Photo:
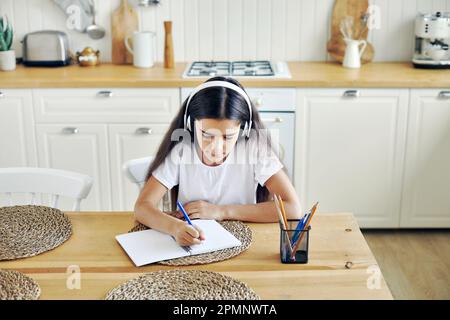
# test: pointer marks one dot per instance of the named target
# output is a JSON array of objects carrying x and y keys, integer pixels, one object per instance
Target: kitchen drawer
[
  {"x": 265, "y": 99},
  {"x": 273, "y": 99},
  {"x": 157, "y": 105}
]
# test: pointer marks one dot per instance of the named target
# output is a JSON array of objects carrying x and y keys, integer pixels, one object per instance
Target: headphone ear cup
[
  {"x": 244, "y": 132},
  {"x": 188, "y": 123},
  {"x": 249, "y": 129}
]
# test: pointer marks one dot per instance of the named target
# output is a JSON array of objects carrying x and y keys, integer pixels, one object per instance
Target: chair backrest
[
  {"x": 53, "y": 182},
  {"x": 136, "y": 170}
]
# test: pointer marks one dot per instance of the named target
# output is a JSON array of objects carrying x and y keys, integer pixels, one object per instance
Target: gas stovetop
[{"x": 238, "y": 69}]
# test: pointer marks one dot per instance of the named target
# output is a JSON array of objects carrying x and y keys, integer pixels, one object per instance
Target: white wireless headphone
[{"x": 209, "y": 84}]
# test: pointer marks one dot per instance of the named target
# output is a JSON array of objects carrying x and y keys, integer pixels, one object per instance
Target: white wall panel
[{"x": 235, "y": 29}]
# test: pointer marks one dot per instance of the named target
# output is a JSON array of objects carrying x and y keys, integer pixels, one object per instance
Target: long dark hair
[{"x": 211, "y": 103}]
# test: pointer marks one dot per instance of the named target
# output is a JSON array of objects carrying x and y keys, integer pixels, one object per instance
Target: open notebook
[{"x": 149, "y": 246}]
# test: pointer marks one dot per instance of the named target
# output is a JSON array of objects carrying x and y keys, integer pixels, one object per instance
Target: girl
[{"x": 217, "y": 160}]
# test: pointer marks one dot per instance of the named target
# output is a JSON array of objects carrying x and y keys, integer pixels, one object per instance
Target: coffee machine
[{"x": 432, "y": 41}]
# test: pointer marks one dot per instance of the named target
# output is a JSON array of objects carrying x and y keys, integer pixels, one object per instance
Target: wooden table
[{"x": 340, "y": 262}]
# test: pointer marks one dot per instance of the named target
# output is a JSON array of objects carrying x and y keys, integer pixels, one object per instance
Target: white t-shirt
[{"x": 233, "y": 182}]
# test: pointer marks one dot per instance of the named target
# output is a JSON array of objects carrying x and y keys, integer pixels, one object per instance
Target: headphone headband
[{"x": 224, "y": 84}]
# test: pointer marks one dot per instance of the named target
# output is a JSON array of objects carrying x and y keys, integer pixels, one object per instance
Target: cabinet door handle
[
  {"x": 274, "y": 120},
  {"x": 105, "y": 94},
  {"x": 351, "y": 94},
  {"x": 70, "y": 130},
  {"x": 444, "y": 95},
  {"x": 144, "y": 131}
]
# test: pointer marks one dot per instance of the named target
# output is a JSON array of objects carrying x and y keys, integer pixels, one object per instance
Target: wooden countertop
[
  {"x": 337, "y": 268},
  {"x": 304, "y": 74}
]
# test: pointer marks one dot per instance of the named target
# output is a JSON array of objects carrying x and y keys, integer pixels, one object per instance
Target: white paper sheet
[
  {"x": 217, "y": 238},
  {"x": 149, "y": 246}
]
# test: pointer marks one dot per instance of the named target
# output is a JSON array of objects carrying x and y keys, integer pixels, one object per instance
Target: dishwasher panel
[{"x": 281, "y": 126}]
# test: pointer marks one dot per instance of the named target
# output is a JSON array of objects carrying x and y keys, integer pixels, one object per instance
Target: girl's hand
[
  {"x": 187, "y": 235},
  {"x": 204, "y": 210}
]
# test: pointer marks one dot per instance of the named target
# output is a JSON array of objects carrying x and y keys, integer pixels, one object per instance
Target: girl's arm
[
  {"x": 278, "y": 184},
  {"x": 146, "y": 208},
  {"x": 147, "y": 212}
]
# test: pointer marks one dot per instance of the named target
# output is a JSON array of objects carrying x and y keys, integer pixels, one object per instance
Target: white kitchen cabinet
[
  {"x": 426, "y": 196},
  {"x": 81, "y": 148},
  {"x": 17, "y": 139},
  {"x": 350, "y": 147},
  {"x": 106, "y": 122},
  {"x": 127, "y": 142}
]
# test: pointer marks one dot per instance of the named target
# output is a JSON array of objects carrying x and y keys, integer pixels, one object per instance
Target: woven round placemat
[
  {"x": 236, "y": 228},
  {"x": 182, "y": 285},
  {"x": 26, "y": 231},
  {"x": 15, "y": 285}
]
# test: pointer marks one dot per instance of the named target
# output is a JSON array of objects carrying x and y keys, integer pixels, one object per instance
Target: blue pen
[
  {"x": 299, "y": 228},
  {"x": 302, "y": 223},
  {"x": 180, "y": 206}
]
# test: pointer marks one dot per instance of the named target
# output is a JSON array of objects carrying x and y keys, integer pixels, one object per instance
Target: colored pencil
[
  {"x": 280, "y": 214},
  {"x": 282, "y": 210},
  {"x": 301, "y": 224},
  {"x": 282, "y": 223}
]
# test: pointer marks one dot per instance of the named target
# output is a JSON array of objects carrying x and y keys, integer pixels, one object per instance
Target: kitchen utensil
[
  {"x": 356, "y": 9},
  {"x": 432, "y": 33},
  {"x": 95, "y": 31},
  {"x": 124, "y": 22},
  {"x": 353, "y": 53},
  {"x": 363, "y": 25},
  {"x": 168, "y": 46},
  {"x": 148, "y": 3},
  {"x": 46, "y": 48},
  {"x": 88, "y": 57},
  {"x": 81, "y": 8},
  {"x": 144, "y": 48}
]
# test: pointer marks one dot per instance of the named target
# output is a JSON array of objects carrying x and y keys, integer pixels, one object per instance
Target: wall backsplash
[{"x": 235, "y": 29}]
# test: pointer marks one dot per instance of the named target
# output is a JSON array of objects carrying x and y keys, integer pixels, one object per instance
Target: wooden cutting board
[
  {"x": 124, "y": 21},
  {"x": 356, "y": 9}
]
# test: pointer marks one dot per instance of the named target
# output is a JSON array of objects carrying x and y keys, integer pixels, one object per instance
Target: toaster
[{"x": 46, "y": 48}]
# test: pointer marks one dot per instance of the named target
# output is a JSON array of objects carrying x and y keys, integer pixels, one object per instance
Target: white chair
[
  {"x": 136, "y": 171},
  {"x": 42, "y": 181}
]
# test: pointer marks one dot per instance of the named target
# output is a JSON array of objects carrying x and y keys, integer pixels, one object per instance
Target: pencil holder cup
[{"x": 294, "y": 244}]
